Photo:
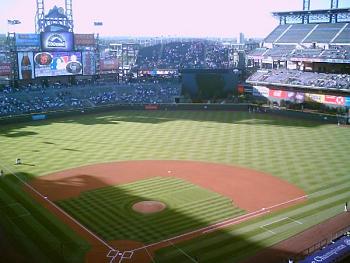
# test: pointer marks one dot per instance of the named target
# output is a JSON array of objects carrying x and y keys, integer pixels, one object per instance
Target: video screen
[
  {"x": 57, "y": 64},
  {"x": 57, "y": 41}
]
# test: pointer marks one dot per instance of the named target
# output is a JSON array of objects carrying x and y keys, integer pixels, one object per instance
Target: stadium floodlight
[
  {"x": 13, "y": 22},
  {"x": 98, "y": 23}
]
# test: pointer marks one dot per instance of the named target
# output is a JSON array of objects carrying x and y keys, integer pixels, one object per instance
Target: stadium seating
[
  {"x": 275, "y": 34},
  {"x": 199, "y": 54},
  {"x": 15, "y": 102},
  {"x": 280, "y": 51},
  {"x": 343, "y": 36},
  {"x": 307, "y": 79},
  {"x": 296, "y": 33},
  {"x": 310, "y": 33},
  {"x": 324, "y": 33}
]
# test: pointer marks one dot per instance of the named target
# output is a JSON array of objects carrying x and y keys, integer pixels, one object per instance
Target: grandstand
[
  {"x": 191, "y": 54},
  {"x": 308, "y": 49}
]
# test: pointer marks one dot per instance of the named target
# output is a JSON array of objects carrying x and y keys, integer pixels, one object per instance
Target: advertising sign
[
  {"x": 314, "y": 97},
  {"x": 84, "y": 39},
  {"x": 260, "y": 91},
  {"x": 278, "y": 94},
  {"x": 5, "y": 64},
  {"x": 109, "y": 64},
  {"x": 27, "y": 40},
  {"x": 295, "y": 96},
  {"x": 5, "y": 69},
  {"x": 57, "y": 41},
  {"x": 25, "y": 65},
  {"x": 347, "y": 101},
  {"x": 57, "y": 64},
  {"x": 89, "y": 63},
  {"x": 331, "y": 253},
  {"x": 335, "y": 100}
]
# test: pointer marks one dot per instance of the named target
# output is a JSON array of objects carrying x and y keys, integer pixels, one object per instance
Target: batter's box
[
  {"x": 127, "y": 254},
  {"x": 112, "y": 253},
  {"x": 268, "y": 226},
  {"x": 14, "y": 210}
]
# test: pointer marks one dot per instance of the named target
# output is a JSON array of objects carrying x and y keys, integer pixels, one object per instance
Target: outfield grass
[{"x": 310, "y": 155}]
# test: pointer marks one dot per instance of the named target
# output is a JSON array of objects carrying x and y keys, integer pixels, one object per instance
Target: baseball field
[{"x": 166, "y": 186}]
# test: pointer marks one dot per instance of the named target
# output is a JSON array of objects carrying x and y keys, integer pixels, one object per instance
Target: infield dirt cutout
[{"x": 256, "y": 192}]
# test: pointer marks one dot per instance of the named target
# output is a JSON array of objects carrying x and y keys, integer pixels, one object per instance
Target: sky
[{"x": 190, "y": 18}]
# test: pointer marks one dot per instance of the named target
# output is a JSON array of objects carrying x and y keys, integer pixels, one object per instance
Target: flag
[{"x": 98, "y": 24}]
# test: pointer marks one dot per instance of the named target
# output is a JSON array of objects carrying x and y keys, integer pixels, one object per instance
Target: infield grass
[
  {"x": 107, "y": 211},
  {"x": 311, "y": 155}
]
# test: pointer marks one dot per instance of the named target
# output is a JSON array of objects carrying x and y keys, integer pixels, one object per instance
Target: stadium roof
[{"x": 313, "y": 12}]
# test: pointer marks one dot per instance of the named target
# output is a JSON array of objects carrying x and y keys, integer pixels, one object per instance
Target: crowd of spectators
[
  {"x": 62, "y": 97},
  {"x": 201, "y": 54},
  {"x": 296, "y": 77},
  {"x": 292, "y": 52}
]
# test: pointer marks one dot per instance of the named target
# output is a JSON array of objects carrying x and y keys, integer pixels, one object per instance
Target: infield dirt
[{"x": 248, "y": 189}]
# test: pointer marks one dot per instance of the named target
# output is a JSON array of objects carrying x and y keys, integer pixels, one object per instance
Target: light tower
[
  {"x": 57, "y": 19},
  {"x": 306, "y": 5}
]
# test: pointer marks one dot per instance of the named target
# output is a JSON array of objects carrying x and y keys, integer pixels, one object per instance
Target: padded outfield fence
[
  {"x": 322, "y": 244},
  {"x": 319, "y": 117}
]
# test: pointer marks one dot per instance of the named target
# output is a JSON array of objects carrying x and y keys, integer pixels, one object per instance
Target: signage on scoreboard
[
  {"x": 57, "y": 64},
  {"x": 27, "y": 40},
  {"x": 57, "y": 41},
  {"x": 84, "y": 39}
]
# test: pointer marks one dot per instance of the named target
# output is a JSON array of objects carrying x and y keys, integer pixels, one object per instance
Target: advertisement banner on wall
[
  {"x": 89, "y": 63},
  {"x": 278, "y": 94},
  {"x": 57, "y": 64},
  {"x": 314, "y": 97},
  {"x": 27, "y": 40},
  {"x": 331, "y": 253},
  {"x": 84, "y": 39},
  {"x": 25, "y": 65},
  {"x": 335, "y": 100},
  {"x": 293, "y": 96},
  {"x": 260, "y": 91},
  {"x": 57, "y": 41},
  {"x": 347, "y": 101},
  {"x": 109, "y": 65}
]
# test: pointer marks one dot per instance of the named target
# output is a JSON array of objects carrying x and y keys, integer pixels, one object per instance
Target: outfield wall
[{"x": 319, "y": 117}]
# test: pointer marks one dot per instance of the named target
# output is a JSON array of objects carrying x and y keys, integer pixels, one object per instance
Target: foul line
[
  {"x": 183, "y": 252},
  {"x": 150, "y": 255},
  {"x": 57, "y": 207},
  {"x": 225, "y": 223}
]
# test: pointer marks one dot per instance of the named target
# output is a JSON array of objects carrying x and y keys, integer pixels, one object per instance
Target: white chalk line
[
  {"x": 238, "y": 220},
  {"x": 214, "y": 227},
  {"x": 150, "y": 256},
  {"x": 279, "y": 220},
  {"x": 225, "y": 223},
  {"x": 183, "y": 252},
  {"x": 57, "y": 207}
]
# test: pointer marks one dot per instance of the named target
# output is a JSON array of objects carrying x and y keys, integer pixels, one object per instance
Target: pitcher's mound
[{"x": 148, "y": 207}]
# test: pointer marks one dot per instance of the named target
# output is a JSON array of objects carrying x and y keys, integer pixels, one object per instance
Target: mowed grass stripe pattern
[
  {"x": 307, "y": 154},
  {"x": 108, "y": 211},
  {"x": 313, "y": 156},
  {"x": 42, "y": 237},
  {"x": 238, "y": 242}
]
